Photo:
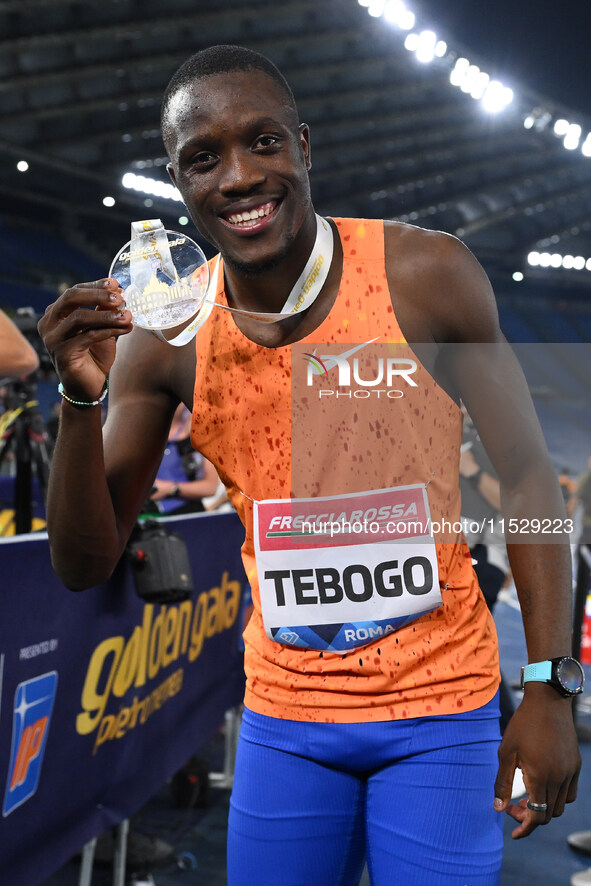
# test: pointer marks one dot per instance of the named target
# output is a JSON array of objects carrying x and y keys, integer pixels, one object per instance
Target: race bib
[{"x": 340, "y": 572}]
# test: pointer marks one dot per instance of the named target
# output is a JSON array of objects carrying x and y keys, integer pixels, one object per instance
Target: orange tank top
[{"x": 260, "y": 417}]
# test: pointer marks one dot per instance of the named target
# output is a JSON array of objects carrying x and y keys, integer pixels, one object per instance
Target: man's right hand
[{"x": 80, "y": 332}]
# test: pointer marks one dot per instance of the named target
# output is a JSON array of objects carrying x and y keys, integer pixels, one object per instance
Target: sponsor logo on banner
[
  {"x": 33, "y": 706},
  {"x": 168, "y": 635},
  {"x": 385, "y": 377}
]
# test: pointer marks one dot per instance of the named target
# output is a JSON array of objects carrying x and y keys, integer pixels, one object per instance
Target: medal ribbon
[{"x": 303, "y": 294}]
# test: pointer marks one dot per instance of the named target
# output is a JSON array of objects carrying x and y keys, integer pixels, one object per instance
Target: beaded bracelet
[{"x": 104, "y": 393}]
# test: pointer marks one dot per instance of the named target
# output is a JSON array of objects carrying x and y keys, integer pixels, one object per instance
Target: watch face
[{"x": 570, "y": 674}]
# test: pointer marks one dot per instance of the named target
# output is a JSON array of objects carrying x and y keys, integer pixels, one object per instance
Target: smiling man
[{"x": 371, "y": 710}]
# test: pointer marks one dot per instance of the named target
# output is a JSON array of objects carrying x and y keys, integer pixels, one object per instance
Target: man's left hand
[{"x": 540, "y": 739}]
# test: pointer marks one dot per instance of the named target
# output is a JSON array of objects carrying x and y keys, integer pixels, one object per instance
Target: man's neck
[
  {"x": 299, "y": 325},
  {"x": 267, "y": 290}
]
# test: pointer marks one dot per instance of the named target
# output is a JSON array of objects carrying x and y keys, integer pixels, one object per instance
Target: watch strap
[{"x": 540, "y": 671}]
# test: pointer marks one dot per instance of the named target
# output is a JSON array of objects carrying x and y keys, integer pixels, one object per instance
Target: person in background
[
  {"x": 17, "y": 357},
  {"x": 185, "y": 477}
]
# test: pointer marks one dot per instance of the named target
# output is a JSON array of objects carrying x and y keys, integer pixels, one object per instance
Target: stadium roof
[{"x": 80, "y": 96}]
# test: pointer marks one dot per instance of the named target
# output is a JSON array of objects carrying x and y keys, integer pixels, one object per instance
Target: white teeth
[{"x": 245, "y": 219}]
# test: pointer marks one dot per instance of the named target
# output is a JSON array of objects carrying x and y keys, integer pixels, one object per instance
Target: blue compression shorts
[{"x": 313, "y": 801}]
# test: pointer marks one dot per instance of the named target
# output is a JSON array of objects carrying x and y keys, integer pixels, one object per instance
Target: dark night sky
[{"x": 543, "y": 44}]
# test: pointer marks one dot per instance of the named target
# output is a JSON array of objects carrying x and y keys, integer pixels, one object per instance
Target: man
[{"x": 390, "y": 743}]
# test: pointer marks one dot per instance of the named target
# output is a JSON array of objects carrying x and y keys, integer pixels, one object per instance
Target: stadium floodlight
[
  {"x": 480, "y": 84},
  {"x": 393, "y": 10},
  {"x": 411, "y": 42},
  {"x": 556, "y": 260},
  {"x": 22, "y": 165},
  {"x": 108, "y": 201},
  {"x": 470, "y": 78},
  {"x": 425, "y": 50},
  {"x": 440, "y": 48},
  {"x": 146, "y": 185},
  {"x": 496, "y": 97},
  {"x": 517, "y": 276},
  {"x": 538, "y": 119},
  {"x": 572, "y": 137},
  {"x": 406, "y": 20},
  {"x": 376, "y": 8},
  {"x": 561, "y": 127},
  {"x": 458, "y": 71},
  {"x": 364, "y": 2}
]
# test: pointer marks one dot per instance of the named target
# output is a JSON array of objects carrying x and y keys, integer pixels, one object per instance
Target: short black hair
[{"x": 221, "y": 59}]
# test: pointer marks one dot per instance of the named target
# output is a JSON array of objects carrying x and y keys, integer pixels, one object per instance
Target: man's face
[{"x": 241, "y": 165}]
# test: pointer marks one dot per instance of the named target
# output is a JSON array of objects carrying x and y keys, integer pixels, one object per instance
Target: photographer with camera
[{"x": 17, "y": 357}]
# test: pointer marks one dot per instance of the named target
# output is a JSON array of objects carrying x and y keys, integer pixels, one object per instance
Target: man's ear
[
  {"x": 171, "y": 173},
  {"x": 305, "y": 143}
]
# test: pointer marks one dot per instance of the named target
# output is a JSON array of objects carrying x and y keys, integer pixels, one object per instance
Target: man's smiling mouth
[{"x": 248, "y": 218}]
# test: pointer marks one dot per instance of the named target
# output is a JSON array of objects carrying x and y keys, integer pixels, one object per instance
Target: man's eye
[
  {"x": 204, "y": 158},
  {"x": 267, "y": 141}
]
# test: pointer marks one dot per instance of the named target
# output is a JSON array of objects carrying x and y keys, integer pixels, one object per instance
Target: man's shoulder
[
  {"x": 431, "y": 247},
  {"x": 434, "y": 275}
]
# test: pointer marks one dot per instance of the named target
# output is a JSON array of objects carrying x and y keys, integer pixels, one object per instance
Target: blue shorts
[{"x": 414, "y": 798}]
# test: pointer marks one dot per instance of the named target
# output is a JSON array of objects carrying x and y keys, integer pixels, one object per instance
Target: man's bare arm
[
  {"x": 17, "y": 357},
  {"x": 97, "y": 488},
  {"x": 450, "y": 302}
]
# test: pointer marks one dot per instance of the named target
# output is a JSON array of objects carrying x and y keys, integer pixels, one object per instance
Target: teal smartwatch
[{"x": 564, "y": 674}]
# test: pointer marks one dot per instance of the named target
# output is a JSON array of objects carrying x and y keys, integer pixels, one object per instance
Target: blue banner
[{"x": 104, "y": 697}]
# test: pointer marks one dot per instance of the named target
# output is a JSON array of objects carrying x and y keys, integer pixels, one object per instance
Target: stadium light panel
[
  {"x": 376, "y": 8},
  {"x": 470, "y": 78},
  {"x": 561, "y": 127},
  {"x": 496, "y": 97},
  {"x": 573, "y": 137},
  {"x": 146, "y": 185},
  {"x": 458, "y": 71},
  {"x": 406, "y": 20},
  {"x": 425, "y": 50},
  {"x": 393, "y": 10}
]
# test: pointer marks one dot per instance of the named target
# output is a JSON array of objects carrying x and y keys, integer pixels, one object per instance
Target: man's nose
[{"x": 241, "y": 172}]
